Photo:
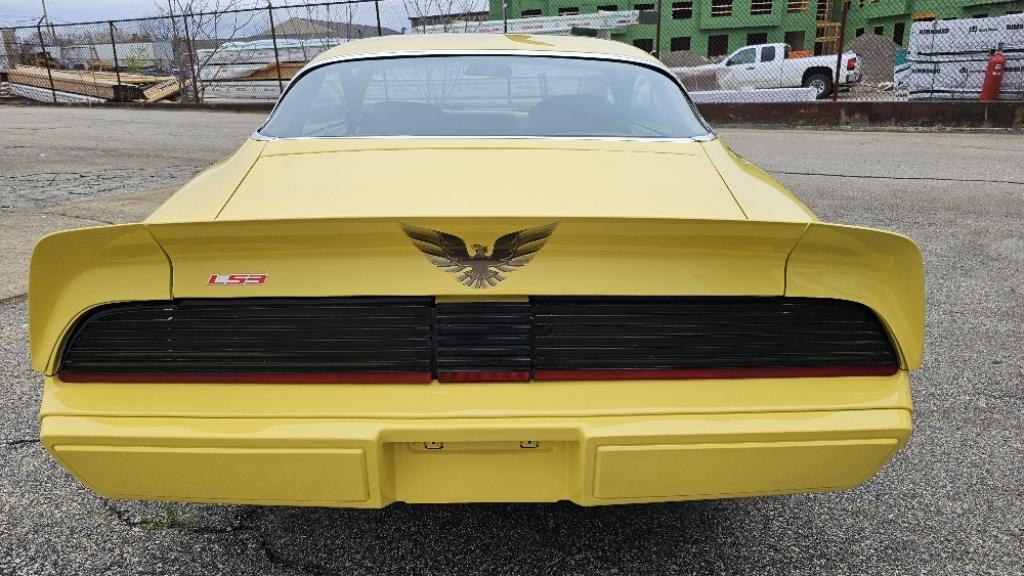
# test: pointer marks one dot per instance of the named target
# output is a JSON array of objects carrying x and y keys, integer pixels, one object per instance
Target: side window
[
  {"x": 768, "y": 54},
  {"x": 745, "y": 56}
]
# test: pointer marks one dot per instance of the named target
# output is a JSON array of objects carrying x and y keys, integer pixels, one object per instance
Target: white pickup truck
[{"x": 769, "y": 66}]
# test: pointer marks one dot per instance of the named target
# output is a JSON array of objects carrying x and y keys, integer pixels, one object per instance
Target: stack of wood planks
[
  {"x": 164, "y": 90},
  {"x": 92, "y": 85}
]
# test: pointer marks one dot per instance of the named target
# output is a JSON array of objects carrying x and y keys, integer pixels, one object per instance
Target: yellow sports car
[{"x": 476, "y": 268}]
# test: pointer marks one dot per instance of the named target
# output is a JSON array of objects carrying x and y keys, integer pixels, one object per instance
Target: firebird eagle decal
[{"x": 479, "y": 270}]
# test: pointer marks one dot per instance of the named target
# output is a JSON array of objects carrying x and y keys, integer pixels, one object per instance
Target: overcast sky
[
  {"x": 29, "y": 11},
  {"x": 21, "y": 12}
]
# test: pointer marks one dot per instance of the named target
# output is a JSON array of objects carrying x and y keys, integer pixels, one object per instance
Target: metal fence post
[
  {"x": 46, "y": 59},
  {"x": 657, "y": 31},
  {"x": 376, "y": 7},
  {"x": 842, "y": 46},
  {"x": 8, "y": 41},
  {"x": 191, "y": 57},
  {"x": 113, "y": 46},
  {"x": 277, "y": 56}
]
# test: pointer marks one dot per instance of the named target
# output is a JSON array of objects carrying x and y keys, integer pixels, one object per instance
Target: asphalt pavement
[{"x": 951, "y": 502}]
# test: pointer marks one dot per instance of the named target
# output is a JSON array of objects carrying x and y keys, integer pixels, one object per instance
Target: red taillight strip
[
  {"x": 715, "y": 373},
  {"x": 457, "y": 377},
  {"x": 499, "y": 376},
  {"x": 249, "y": 378}
]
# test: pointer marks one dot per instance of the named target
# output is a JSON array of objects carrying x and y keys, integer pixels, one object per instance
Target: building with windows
[{"x": 715, "y": 28}]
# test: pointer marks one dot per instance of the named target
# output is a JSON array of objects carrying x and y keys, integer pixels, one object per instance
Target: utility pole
[
  {"x": 842, "y": 46},
  {"x": 46, "y": 18},
  {"x": 657, "y": 32},
  {"x": 179, "y": 60}
]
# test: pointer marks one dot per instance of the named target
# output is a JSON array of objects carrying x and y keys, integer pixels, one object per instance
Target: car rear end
[
  {"x": 631, "y": 361},
  {"x": 581, "y": 296}
]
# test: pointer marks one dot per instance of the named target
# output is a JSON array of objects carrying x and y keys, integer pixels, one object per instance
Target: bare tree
[
  {"x": 169, "y": 30},
  {"x": 211, "y": 26}
]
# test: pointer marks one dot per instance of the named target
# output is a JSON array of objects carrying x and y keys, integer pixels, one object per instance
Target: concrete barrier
[{"x": 1008, "y": 115}]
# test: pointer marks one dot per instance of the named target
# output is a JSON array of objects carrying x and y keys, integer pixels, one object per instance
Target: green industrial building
[{"x": 717, "y": 27}]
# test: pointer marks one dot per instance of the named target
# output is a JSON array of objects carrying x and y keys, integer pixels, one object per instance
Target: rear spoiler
[{"x": 73, "y": 272}]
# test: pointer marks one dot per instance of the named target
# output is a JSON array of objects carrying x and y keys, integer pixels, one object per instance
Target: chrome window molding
[
  {"x": 255, "y": 135},
  {"x": 314, "y": 64}
]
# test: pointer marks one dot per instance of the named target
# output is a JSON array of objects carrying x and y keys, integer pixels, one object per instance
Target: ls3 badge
[
  {"x": 479, "y": 270},
  {"x": 236, "y": 279}
]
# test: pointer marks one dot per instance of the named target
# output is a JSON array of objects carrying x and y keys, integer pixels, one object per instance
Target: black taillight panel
[
  {"x": 386, "y": 336},
  {"x": 336, "y": 335},
  {"x": 673, "y": 333}
]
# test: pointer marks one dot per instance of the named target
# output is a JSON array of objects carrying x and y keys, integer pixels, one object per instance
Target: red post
[{"x": 993, "y": 77}]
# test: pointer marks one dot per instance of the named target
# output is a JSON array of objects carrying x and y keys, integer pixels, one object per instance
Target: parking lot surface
[{"x": 952, "y": 502}]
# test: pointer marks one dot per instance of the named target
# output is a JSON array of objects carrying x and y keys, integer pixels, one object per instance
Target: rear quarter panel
[
  {"x": 77, "y": 270},
  {"x": 881, "y": 270}
]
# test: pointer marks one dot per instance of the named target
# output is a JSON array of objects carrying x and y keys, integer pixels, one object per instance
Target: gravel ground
[{"x": 951, "y": 502}]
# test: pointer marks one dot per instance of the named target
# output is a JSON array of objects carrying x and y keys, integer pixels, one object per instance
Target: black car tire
[{"x": 822, "y": 83}]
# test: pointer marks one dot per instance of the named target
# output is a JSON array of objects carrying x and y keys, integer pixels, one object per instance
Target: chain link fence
[{"x": 722, "y": 50}]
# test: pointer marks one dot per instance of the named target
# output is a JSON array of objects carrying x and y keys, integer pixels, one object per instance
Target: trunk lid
[{"x": 451, "y": 178}]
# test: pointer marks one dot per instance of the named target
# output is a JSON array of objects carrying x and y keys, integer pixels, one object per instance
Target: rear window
[{"x": 484, "y": 96}]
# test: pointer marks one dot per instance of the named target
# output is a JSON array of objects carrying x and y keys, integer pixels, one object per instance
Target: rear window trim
[{"x": 393, "y": 55}]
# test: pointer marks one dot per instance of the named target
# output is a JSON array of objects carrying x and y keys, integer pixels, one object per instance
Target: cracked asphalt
[{"x": 952, "y": 502}]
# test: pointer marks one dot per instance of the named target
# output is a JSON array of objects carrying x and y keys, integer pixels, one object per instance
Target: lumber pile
[
  {"x": 249, "y": 82},
  {"x": 93, "y": 84}
]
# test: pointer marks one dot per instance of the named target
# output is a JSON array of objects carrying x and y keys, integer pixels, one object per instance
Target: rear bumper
[{"x": 594, "y": 460}]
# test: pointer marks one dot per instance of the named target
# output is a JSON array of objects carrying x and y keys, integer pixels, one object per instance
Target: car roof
[{"x": 485, "y": 43}]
